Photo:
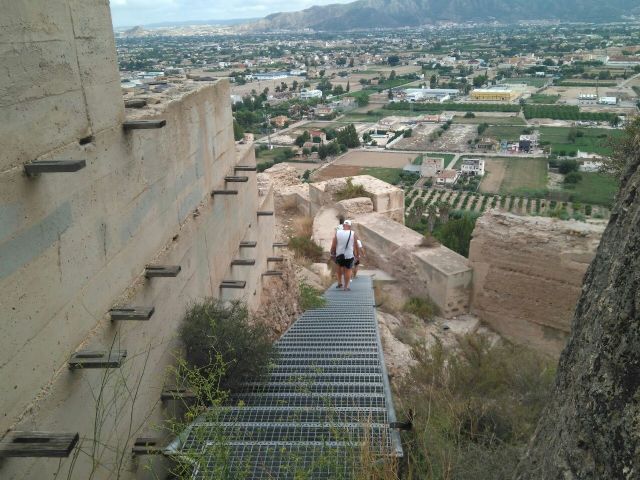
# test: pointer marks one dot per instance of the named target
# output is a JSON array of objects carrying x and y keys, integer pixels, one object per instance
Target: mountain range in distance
[
  {"x": 186, "y": 23},
  {"x": 366, "y": 14}
]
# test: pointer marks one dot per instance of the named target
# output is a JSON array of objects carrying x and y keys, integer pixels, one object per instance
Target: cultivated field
[
  {"x": 512, "y": 175},
  {"x": 587, "y": 140},
  {"x": 364, "y": 158},
  {"x": 511, "y": 119},
  {"x": 479, "y": 202}
]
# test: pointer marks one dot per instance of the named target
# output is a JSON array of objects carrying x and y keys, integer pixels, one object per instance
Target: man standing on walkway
[{"x": 345, "y": 249}]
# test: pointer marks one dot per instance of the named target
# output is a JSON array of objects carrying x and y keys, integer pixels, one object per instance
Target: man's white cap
[{"x": 347, "y": 222}]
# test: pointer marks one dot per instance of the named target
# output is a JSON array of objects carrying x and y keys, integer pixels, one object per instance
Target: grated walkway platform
[{"x": 324, "y": 402}]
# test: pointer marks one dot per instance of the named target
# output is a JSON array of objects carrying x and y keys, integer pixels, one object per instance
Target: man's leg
[
  {"x": 347, "y": 278},
  {"x": 339, "y": 274}
]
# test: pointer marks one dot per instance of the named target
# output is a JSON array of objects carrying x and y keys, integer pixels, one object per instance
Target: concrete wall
[
  {"x": 72, "y": 245},
  {"x": 60, "y": 79},
  {"x": 527, "y": 275},
  {"x": 437, "y": 272}
]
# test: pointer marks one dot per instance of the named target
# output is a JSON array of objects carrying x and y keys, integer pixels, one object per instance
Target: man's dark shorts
[{"x": 344, "y": 262}]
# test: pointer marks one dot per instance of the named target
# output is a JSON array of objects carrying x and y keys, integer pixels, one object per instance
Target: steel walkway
[{"x": 325, "y": 401}]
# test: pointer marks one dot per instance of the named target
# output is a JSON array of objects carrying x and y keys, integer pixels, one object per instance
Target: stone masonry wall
[{"x": 527, "y": 275}]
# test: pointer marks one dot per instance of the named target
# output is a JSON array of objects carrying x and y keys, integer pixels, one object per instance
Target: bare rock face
[
  {"x": 591, "y": 429},
  {"x": 354, "y": 206},
  {"x": 527, "y": 275}
]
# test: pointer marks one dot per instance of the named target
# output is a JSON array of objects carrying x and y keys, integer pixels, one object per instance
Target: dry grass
[
  {"x": 303, "y": 226},
  {"x": 429, "y": 241}
]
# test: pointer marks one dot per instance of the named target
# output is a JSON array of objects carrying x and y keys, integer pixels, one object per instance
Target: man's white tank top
[{"x": 344, "y": 244}]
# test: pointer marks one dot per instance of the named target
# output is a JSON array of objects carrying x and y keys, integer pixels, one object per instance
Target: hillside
[{"x": 399, "y": 13}]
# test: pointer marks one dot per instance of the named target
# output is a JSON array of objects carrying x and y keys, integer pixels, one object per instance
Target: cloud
[{"x": 140, "y": 12}]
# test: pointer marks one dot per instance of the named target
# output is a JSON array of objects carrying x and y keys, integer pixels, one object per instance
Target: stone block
[{"x": 354, "y": 207}]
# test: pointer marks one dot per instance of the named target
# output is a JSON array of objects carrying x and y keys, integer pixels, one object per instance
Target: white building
[
  {"x": 608, "y": 100},
  {"x": 473, "y": 166},
  {"x": 430, "y": 94},
  {"x": 447, "y": 177},
  {"x": 270, "y": 75},
  {"x": 306, "y": 94},
  {"x": 590, "y": 166}
]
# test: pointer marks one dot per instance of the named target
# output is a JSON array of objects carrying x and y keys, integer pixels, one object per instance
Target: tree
[
  {"x": 589, "y": 430},
  {"x": 456, "y": 234},
  {"x": 479, "y": 80},
  {"x": 341, "y": 61},
  {"x": 302, "y": 138},
  {"x": 324, "y": 86},
  {"x": 433, "y": 81},
  {"x": 338, "y": 90},
  {"x": 348, "y": 136},
  {"x": 351, "y": 62},
  {"x": 444, "y": 208},
  {"x": 390, "y": 94},
  {"x": 393, "y": 60},
  {"x": 626, "y": 149},
  {"x": 392, "y": 75},
  {"x": 322, "y": 151},
  {"x": 348, "y": 87},
  {"x": 566, "y": 166},
  {"x": 238, "y": 131},
  {"x": 432, "y": 216},
  {"x": 362, "y": 99}
]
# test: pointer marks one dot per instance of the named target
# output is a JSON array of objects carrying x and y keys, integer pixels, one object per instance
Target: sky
[{"x": 143, "y": 12}]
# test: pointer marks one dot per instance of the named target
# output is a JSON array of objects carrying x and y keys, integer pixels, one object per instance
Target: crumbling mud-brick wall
[{"x": 527, "y": 275}]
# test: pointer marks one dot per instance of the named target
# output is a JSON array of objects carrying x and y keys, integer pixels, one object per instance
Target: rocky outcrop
[
  {"x": 591, "y": 427},
  {"x": 527, "y": 275}
]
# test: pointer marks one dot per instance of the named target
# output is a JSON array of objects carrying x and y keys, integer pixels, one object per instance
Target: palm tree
[
  {"x": 444, "y": 208},
  {"x": 432, "y": 215}
]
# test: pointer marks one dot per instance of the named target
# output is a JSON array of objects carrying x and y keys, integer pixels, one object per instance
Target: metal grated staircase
[{"x": 325, "y": 400}]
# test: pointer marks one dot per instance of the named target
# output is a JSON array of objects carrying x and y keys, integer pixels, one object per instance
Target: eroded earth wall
[{"x": 527, "y": 275}]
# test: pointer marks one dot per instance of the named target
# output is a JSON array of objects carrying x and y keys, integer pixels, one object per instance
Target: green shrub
[
  {"x": 351, "y": 191},
  {"x": 304, "y": 247},
  {"x": 475, "y": 408},
  {"x": 310, "y": 297},
  {"x": 572, "y": 178},
  {"x": 423, "y": 308},
  {"x": 216, "y": 333},
  {"x": 456, "y": 233}
]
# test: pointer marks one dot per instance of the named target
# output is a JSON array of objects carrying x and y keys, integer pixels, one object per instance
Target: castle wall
[
  {"x": 386, "y": 198},
  {"x": 527, "y": 275},
  {"x": 73, "y": 245},
  {"x": 437, "y": 272}
]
